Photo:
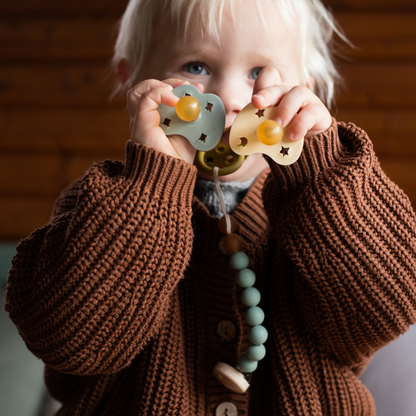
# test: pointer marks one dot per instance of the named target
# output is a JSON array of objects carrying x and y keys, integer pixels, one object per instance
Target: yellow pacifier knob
[
  {"x": 270, "y": 132},
  {"x": 188, "y": 108}
]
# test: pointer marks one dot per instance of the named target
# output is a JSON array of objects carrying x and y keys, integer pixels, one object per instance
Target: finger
[
  {"x": 177, "y": 82},
  {"x": 150, "y": 84},
  {"x": 311, "y": 120},
  {"x": 292, "y": 102},
  {"x": 270, "y": 96},
  {"x": 200, "y": 87},
  {"x": 151, "y": 100},
  {"x": 134, "y": 94},
  {"x": 146, "y": 117},
  {"x": 268, "y": 77}
]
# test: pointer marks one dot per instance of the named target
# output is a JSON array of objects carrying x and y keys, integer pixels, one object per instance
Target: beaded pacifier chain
[
  {"x": 236, "y": 379},
  {"x": 200, "y": 118}
]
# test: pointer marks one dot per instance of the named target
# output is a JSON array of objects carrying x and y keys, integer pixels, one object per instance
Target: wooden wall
[{"x": 56, "y": 118}]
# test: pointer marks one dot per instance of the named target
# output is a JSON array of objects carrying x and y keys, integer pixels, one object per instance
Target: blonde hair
[{"x": 314, "y": 24}]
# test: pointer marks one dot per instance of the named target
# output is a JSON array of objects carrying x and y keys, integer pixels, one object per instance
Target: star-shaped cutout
[
  {"x": 260, "y": 113},
  {"x": 285, "y": 151},
  {"x": 210, "y": 160},
  {"x": 202, "y": 137},
  {"x": 166, "y": 122},
  {"x": 209, "y": 107}
]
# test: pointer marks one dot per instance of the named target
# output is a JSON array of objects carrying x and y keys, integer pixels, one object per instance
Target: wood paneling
[
  {"x": 386, "y": 84},
  {"x": 379, "y": 36},
  {"x": 57, "y": 39},
  {"x": 64, "y": 130},
  {"x": 55, "y": 84},
  {"x": 56, "y": 118},
  {"x": 401, "y": 171},
  {"x": 393, "y": 132},
  {"x": 29, "y": 174},
  {"x": 57, "y": 7},
  {"x": 22, "y": 213},
  {"x": 372, "y": 5},
  {"x": 35, "y": 174}
]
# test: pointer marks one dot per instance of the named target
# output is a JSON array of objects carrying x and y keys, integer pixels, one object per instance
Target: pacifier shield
[
  {"x": 245, "y": 141},
  {"x": 206, "y": 130}
]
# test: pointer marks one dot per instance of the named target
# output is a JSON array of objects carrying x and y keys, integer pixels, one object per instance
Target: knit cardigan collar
[{"x": 249, "y": 213}]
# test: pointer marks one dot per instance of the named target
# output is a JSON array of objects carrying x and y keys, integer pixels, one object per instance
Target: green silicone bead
[
  {"x": 254, "y": 316},
  {"x": 246, "y": 278},
  {"x": 239, "y": 260},
  {"x": 250, "y": 296},
  {"x": 256, "y": 352},
  {"x": 258, "y": 335},
  {"x": 246, "y": 365}
]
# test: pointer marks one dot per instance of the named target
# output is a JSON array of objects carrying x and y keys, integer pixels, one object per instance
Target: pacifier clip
[{"x": 237, "y": 378}]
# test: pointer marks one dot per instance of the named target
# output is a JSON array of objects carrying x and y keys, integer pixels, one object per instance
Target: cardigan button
[
  {"x": 226, "y": 330},
  {"x": 226, "y": 409}
]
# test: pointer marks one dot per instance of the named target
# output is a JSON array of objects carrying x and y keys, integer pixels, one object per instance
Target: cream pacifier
[
  {"x": 255, "y": 131},
  {"x": 198, "y": 117}
]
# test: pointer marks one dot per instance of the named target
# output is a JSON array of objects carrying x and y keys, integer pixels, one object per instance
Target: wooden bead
[
  {"x": 222, "y": 225},
  {"x": 230, "y": 244},
  {"x": 231, "y": 378}
]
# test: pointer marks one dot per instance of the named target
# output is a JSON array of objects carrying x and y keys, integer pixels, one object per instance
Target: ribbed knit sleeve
[
  {"x": 90, "y": 289},
  {"x": 351, "y": 235}
]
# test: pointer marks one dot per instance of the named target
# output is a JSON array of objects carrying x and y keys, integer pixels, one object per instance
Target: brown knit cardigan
[{"x": 121, "y": 293}]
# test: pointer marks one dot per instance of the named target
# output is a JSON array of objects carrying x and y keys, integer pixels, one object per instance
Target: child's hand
[
  {"x": 142, "y": 103},
  {"x": 297, "y": 107}
]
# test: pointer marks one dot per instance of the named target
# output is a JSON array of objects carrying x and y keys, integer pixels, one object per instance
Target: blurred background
[{"x": 56, "y": 119}]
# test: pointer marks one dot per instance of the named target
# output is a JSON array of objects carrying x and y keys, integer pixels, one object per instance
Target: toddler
[{"x": 125, "y": 294}]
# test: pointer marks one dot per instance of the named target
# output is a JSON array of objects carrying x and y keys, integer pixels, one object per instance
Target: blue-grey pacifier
[{"x": 198, "y": 117}]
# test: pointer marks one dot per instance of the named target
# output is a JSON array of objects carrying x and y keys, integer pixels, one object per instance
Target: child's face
[{"x": 229, "y": 69}]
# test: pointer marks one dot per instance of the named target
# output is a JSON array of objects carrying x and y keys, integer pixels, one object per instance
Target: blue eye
[
  {"x": 196, "y": 68},
  {"x": 255, "y": 73}
]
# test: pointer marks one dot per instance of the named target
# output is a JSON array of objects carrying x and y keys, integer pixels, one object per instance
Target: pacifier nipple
[
  {"x": 188, "y": 108},
  {"x": 269, "y": 132}
]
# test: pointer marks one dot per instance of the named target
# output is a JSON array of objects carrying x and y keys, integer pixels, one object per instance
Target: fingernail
[
  {"x": 279, "y": 121},
  {"x": 260, "y": 97},
  {"x": 291, "y": 136},
  {"x": 168, "y": 86}
]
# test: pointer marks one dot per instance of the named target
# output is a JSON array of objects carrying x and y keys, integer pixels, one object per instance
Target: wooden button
[
  {"x": 226, "y": 409},
  {"x": 230, "y": 377},
  {"x": 226, "y": 330}
]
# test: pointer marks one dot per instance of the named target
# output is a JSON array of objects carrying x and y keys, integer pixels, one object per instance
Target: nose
[{"x": 235, "y": 96}]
